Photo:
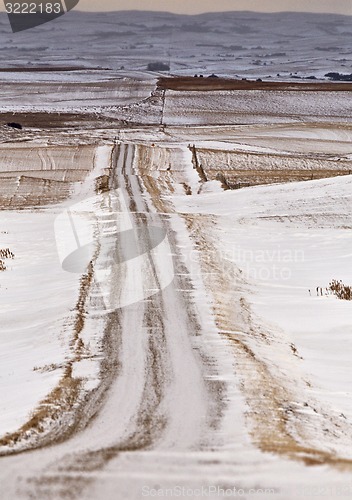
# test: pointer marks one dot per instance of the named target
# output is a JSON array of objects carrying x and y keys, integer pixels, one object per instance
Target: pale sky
[
  {"x": 197, "y": 6},
  {"x": 200, "y": 6}
]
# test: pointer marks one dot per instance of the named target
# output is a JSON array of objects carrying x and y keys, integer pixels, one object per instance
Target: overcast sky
[
  {"x": 196, "y": 6},
  {"x": 199, "y": 6}
]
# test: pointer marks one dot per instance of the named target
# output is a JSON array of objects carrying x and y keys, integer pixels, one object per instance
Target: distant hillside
[{"x": 233, "y": 43}]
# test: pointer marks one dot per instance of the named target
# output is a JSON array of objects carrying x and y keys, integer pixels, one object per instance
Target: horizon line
[{"x": 212, "y": 12}]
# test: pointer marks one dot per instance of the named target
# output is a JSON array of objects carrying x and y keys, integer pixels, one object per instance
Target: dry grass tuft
[
  {"x": 342, "y": 292},
  {"x": 102, "y": 184},
  {"x": 59, "y": 401},
  {"x": 5, "y": 253},
  {"x": 65, "y": 398}
]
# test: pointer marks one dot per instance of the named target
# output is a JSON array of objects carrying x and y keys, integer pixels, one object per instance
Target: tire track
[{"x": 153, "y": 395}]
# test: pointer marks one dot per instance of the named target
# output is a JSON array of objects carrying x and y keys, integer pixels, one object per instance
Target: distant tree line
[{"x": 339, "y": 77}]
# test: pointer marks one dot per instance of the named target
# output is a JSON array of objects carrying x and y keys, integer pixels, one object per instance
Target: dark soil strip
[{"x": 191, "y": 84}]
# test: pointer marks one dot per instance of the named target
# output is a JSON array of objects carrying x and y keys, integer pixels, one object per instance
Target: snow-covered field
[
  {"x": 219, "y": 108},
  {"x": 39, "y": 299},
  {"x": 288, "y": 240},
  {"x": 244, "y": 261},
  {"x": 246, "y": 44},
  {"x": 160, "y": 332},
  {"x": 36, "y": 298}
]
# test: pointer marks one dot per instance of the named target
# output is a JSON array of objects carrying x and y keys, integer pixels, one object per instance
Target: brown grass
[
  {"x": 5, "y": 253},
  {"x": 272, "y": 415},
  {"x": 64, "y": 398},
  {"x": 59, "y": 401},
  {"x": 236, "y": 179},
  {"x": 340, "y": 290},
  {"x": 50, "y": 120},
  {"x": 102, "y": 184}
]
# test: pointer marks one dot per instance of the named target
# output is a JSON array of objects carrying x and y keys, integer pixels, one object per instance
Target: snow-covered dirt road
[
  {"x": 189, "y": 397},
  {"x": 161, "y": 392}
]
